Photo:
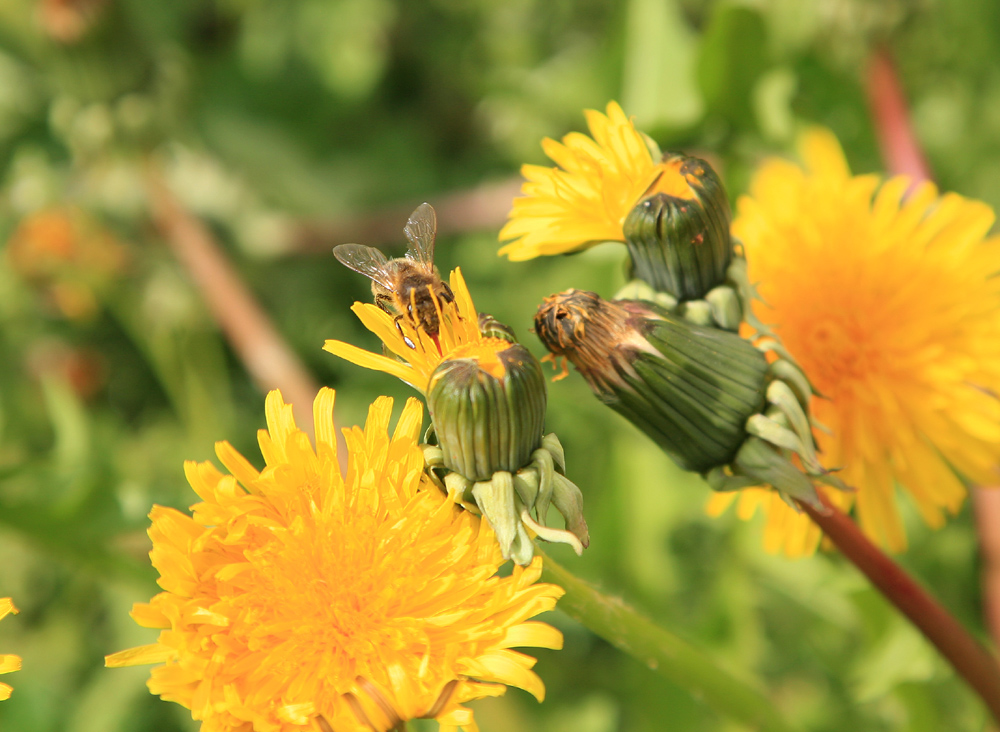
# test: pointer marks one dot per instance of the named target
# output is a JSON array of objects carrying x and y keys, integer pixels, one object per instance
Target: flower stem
[
  {"x": 900, "y": 149},
  {"x": 987, "y": 512},
  {"x": 903, "y": 156},
  {"x": 973, "y": 662},
  {"x": 269, "y": 360},
  {"x": 663, "y": 652}
]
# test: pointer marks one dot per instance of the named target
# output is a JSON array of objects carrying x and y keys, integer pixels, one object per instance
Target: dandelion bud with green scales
[
  {"x": 709, "y": 398},
  {"x": 683, "y": 256},
  {"x": 486, "y": 395},
  {"x": 678, "y": 234}
]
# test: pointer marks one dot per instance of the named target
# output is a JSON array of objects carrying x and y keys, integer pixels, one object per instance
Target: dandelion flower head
[
  {"x": 597, "y": 181},
  {"x": 889, "y": 300},
  {"x": 303, "y": 598}
]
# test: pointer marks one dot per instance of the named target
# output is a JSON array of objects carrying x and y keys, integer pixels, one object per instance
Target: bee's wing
[
  {"x": 369, "y": 261},
  {"x": 421, "y": 230}
]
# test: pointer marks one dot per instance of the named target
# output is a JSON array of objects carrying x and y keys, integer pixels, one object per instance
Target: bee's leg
[
  {"x": 406, "y": 339},
  {"x": 448, "y": 296},
  {"x": 385, "y": 302}
]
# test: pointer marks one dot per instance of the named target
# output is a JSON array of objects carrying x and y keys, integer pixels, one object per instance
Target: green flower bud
[
  {"x": 706, "y": 396},
  {"x": 488, "y": 409},
  {"x": 690, "y": 388},
  {"x": 678, "y": 236},
  {"x": 487, "y": 405}
]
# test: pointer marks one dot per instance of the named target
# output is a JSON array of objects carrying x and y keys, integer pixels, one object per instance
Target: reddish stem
[
  {"x": 245, "y": 324},
  {"x": 900, "y": 149},
  {"x": 902, "y": 155},
  {"x": 973, "y": 662},
  {"x": 987, "y": 510},
  {"x": 480, "y": 208}
]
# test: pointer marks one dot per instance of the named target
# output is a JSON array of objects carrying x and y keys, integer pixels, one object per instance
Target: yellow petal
[
  {"x": 140, "y": 655},
  {"x": 148, "y": 616},
  {"x": 373, "y": 361},
  {"x": 6, "y": 607},
  {"x": 822, "y": 153},
  {"x": 9, "y": 662},
  {"x": 534, "y": 635}
]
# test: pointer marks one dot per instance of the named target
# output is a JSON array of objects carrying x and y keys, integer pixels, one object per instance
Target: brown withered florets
[{"x": 598, "y": 336}]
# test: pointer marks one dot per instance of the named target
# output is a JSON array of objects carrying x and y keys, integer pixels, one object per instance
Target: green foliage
[
  {"x": 732, "y": 57},
  {"x": 268, "y": 115}
]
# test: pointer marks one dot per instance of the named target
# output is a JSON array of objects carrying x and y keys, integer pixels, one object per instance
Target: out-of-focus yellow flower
[
  {"x": 302, "y": 598},
  {"x": 891, "y": 304},
  {"x": 597, "y": 182},
  {"x": 8, "y": 662}
]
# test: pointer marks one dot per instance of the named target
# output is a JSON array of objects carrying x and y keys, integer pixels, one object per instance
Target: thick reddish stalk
[
  {"x": 480, "y": 208},
  {"x": 973, "y": 662},
  {"x": 902, "y": 154}
]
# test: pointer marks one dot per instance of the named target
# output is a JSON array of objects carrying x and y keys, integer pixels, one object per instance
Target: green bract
[
  {"x": 484, "y": 423},
  {"x": 680, "y": 244},
  {"x": 707, "y": 397},
  {"x": 488, "y": 413}
]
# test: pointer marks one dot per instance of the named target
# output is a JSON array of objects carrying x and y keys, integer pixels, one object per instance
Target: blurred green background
[{"x": 289, "y": 126}]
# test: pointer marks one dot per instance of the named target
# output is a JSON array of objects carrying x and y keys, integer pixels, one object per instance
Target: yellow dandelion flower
[
  {"x": 891, "y": 304},
  {"x": 8, "y": 662},
  {"x": 597, "y": 182},
  {"x": 303, "y": 598},
  {"x": 459, "y": 336}
]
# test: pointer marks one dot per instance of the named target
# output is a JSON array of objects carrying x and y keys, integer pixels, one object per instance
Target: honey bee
[{"x": 408, "y": 287}]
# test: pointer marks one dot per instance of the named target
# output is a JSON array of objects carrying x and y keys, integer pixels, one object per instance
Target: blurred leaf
[
  {"x": 659, "y": 85},
  {"x": 652, "y": 490},
  {"x": 772, "y": 101},
  {"x": 901, "y": 655},
  {"x": 270, "y": 156},
  {"x": 106, "y": 703},
  {"x": 733, "y": 55},
  {"x": 593, "y": 713},
  {"x": 69, "y": 422},
  {"x": 347, "y": 41}
]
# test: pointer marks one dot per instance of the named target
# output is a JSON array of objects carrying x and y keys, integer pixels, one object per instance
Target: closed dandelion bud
[
  {"x": 678, "y": 235},
  {"x": 488, "y": 409},
  {"x": 689, "y": 388},
  {"x": 486, "y": 395}
]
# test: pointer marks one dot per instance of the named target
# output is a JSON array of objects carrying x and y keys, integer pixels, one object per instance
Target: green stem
[
  {"x": 663, "y": 652},
  {"x": 973, "y": 662}
]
